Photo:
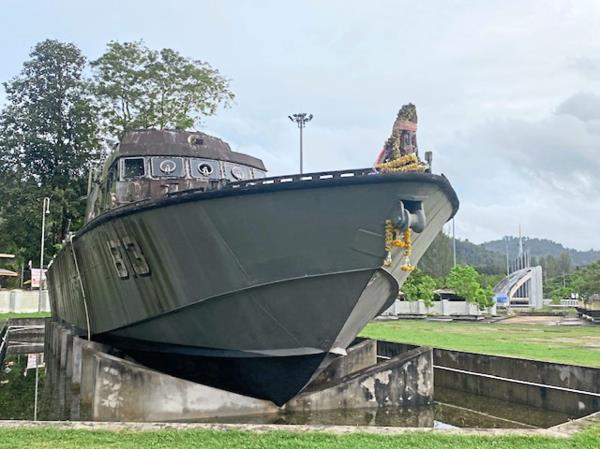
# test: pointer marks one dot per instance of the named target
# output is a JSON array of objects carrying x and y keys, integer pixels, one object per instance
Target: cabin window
[
  {"x": 133, "y": 168},
  {"x": 171, "y": 167},
  {"x": 202, "y": 168}
]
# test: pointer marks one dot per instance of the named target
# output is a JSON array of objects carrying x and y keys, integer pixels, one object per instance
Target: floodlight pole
[{"x": 301, "y": 119}]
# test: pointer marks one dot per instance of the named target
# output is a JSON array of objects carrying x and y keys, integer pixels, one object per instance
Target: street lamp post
[
  {"x": 301, "y": 119},
  {"x": 45, "y": 211}
]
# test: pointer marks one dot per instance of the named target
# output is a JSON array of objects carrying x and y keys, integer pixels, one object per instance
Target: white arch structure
[{"x": 523, "y": 288}]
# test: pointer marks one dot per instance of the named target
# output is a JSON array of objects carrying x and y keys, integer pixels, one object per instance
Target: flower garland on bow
[{"x": 391, "y": 241}]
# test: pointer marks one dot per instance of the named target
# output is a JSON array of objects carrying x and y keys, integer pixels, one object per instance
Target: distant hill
[
  {"x": 485, "y": 260},
  {"x": 437, "y": 260},
  {"x": 490, "y": 257},
  {"x": 541, "y": 247}
]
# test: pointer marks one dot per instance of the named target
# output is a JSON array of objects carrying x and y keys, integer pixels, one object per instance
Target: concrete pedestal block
[
  {"x": 56, "y": 335},
  {"x": 126, "y": 391},
  {"x": 405, "y": 380},
  {"x": 77, "y": 358},
  {"x": 66, "y": 340},
  {"x": 47, "y": 334},
  {"x": 109, "y": 388},
  {"x": 359, "y": 356},
  {"x": 87, "y": 371}
]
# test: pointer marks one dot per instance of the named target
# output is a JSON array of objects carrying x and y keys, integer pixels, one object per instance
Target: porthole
[
  {"x": 205, "y": 169},
  {"x": 167, "y": 166},
  {"x": 237, "y": 173}
]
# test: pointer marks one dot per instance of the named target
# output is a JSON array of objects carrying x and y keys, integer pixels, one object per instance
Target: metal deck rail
[{"x": 327, "y": 175}]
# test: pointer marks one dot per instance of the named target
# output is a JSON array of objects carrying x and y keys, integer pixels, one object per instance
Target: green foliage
[
  {"x": 142, "y": 88},
  {"x": 48, "y": 129},
  {"x": 437, "y": 260},
  {"x": 465, "y": 281},
  {"x": 489, "y": 262},
  {"x": 51, "y": 127},
  {"x": 48, "y": 140},
  {"x": 584, "y": 281},
  {"x": 554, "y": 266},
  {"x": 17, "y": 390},
  {"x": 419, "y": 286},
  {"x": 490, "y": 280}
]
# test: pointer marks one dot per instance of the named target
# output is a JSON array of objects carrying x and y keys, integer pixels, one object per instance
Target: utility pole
[
  {"x": 507, "y": 260},
  {"x": 453, "y": 244},
  {"x": 301, "y": 119},
  {"x": 520, "y": 242},
  {"x": 45, "y": 211}
]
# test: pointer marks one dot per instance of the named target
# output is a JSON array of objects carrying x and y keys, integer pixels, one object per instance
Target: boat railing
[{"x": 285, "y": 179}]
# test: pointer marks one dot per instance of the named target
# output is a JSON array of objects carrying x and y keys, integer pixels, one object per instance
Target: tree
[
  {"x": 437, "y": 260},
  {"x": 48, "y": 141},
  {"x": 142, "y": 88},
  {"x": 464, "y": 280},
  {"x": 584, "y": 281},
  {"x": 419, "y": 286}
]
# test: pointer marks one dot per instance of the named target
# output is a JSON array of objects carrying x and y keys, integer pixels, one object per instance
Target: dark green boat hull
[{"x": 285, "y": 274}]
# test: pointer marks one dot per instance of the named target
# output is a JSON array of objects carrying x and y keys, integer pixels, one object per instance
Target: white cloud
[
  {"x": 542, "y": 174},
  {"x": 489, "y": 79}
]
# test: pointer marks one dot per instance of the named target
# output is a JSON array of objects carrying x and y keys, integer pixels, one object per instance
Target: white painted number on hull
[{"x": 127, "y": 250}]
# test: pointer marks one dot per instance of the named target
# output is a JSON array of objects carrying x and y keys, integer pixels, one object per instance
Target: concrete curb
[{"x": 561, "y": 431}]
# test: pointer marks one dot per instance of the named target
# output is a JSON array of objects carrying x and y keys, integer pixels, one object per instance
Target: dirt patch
[{"x": 548, "y": 320}]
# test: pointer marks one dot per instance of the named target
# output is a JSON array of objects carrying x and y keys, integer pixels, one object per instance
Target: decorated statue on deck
[{"x": 400, "y": 152}]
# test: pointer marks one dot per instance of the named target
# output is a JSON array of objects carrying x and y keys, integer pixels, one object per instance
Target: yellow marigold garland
[
  {"x": 391, "y": 241},
  {"x": 407, "y": 163},
  {"x": 407, "y": 266}
]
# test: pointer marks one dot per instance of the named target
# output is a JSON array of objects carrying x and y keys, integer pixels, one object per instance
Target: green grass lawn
[
  {"x": 5, "y": 316},
  {"x": 578, "y": 345},
  {"x": 84, "y": 439}
]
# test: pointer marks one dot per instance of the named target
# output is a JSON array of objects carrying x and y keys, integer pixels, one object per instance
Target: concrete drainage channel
[{"x": 378, "y": 387}]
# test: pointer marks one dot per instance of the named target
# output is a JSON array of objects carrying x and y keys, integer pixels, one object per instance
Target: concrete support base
[
  {"x": 404, "y": 381},
  {"x": 90, "y": 382}
]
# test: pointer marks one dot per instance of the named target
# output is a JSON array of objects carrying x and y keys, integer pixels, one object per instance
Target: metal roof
[
  {"x": 154, "y": 142},
  {"x": 8, "y": 273}
]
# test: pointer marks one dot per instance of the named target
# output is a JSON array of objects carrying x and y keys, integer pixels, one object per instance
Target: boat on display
[{"x": 194, "y": 263}]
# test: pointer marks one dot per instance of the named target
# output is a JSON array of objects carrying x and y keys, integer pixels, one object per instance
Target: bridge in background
[{"x": 521, "y": 288}]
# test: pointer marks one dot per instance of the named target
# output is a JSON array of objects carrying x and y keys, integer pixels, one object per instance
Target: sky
[{"x": 507, "y": 92}]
